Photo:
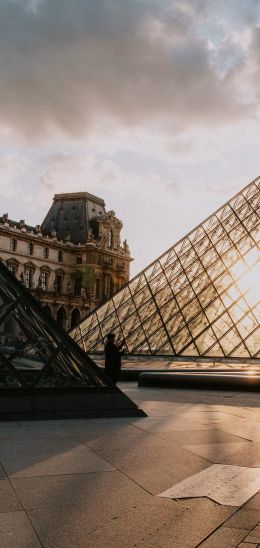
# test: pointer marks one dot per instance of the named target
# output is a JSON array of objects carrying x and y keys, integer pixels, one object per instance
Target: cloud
[{"x": 77, "y": 66}]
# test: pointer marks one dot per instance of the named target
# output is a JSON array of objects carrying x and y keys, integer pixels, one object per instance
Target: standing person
[{"x": 113, "y": 358}]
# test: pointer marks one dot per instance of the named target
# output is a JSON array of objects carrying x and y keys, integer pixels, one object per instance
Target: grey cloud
[{"x": 70, "y": 65}]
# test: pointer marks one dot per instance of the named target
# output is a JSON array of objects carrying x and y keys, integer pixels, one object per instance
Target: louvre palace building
[{"x": 73, "y": 261}]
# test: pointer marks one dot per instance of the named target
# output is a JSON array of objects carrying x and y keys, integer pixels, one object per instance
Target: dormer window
[{"x": 110, "y": 242}]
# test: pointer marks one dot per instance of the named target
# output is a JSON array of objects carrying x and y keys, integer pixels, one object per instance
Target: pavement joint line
[
  {"x": 203, "y": 458},
  {"x": 123, "y": 473},
  {"x": 236, "y": 509},
  {"x": 63, "y": 474},
  {"x": 215, "y": 530},
  {"x": 29, "y": 519},
  {"x": 242, "y": 438}
]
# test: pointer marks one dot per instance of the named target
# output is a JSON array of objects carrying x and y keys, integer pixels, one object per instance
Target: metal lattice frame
[
  {"x": 46, "y": 356},
  {"x": 200, "y": 298}
]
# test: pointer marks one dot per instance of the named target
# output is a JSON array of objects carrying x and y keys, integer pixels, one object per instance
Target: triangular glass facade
[
  {"x": 200, "y": 298},
  {"x": 34, "y": 351}
]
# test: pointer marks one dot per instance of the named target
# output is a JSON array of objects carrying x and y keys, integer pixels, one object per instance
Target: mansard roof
[{"x": 71, "y": 216}]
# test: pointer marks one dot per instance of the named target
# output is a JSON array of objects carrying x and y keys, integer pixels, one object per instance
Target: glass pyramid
[
  {"x": 34, "y": 350},
  {"x": 200, "y": 298},
  {"x": 43, "y": 372}
]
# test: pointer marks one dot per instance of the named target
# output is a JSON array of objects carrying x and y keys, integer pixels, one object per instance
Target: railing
[{"x": 56, "y": 293}]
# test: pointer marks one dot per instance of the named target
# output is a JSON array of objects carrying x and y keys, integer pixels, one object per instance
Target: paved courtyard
[{"x": 95, "y": 483}]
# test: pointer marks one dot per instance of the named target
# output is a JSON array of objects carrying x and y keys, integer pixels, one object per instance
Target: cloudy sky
[{"x": 150, "y": 104}]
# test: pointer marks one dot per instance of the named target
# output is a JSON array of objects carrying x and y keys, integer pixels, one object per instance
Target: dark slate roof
[{"x": 71, "y": 216}]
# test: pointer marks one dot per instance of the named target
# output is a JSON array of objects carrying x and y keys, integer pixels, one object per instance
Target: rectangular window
[
  {"x": 43, "y": 279},
  {"x": 98, "y": 288},
  {"x": 60, "y": 256},
  {"x": 13, "y": 244},
  {"x": 30, "y": 248},
  {"x": 28, "y": 278},
  {"x": 46, "y": 252},
  {"x": 78, "y": 285},
  {"x": 12, "y": 269}
]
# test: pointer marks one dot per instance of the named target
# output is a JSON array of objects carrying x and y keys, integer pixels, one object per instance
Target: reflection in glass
[{"x": 201, "y": 297}]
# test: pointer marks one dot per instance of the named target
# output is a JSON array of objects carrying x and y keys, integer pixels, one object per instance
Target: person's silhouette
[{"x": 113, "y": 354}]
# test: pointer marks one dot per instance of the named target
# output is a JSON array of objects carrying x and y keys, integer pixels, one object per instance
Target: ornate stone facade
[{"x": 71, "y": 263}]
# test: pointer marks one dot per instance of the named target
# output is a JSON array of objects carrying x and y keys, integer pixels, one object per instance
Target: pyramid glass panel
[
  {"x": 200, "y": 298},
  {"x": 34, "y": 351}
]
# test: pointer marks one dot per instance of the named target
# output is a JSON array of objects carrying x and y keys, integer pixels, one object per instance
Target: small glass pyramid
[
  {"x": 200, "y": 298},
  {"x": 34, "y": 351}
]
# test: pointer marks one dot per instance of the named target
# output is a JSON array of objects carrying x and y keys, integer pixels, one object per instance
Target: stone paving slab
[
  {"x": 244, "y": 454},
  {"x": 254, "y": 536},
  {"x": 148, "y": 456},
  {"x": 244, "y": 518},
  {"x": 225, "y": 536},
  {"x": 254, "y": 502},
  {"x": 9, "y": 502},
  {"x": 16, "y": 531},
  {"x": 92, "y": 491},
  {"x": 199, "y": 437},
  {"x": 155, "y": 478},
  {"x": 25, "y": 459},
  {"x": 169, "y": 424},
  {"x": 94, "y": 482},
  {"x": 220, "y": 453},
  {"x": 182, "y": 525},
  {"x": 106, "y": 445}
]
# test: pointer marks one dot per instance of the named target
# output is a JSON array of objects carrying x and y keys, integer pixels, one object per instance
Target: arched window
[
  {"x": 62, "y": 317},
  {"x": 47, "y": 309},
  {"x": 75, "y": 317}
]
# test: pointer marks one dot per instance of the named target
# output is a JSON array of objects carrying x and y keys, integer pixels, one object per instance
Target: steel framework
[
  {"x": 42, "y": 370},
  {"x": 200, "y": 298}
]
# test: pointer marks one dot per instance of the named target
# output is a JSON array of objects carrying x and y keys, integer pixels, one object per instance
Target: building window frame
[
  {"x": 28, "y": 277},
  {"x": 12, "y": 268},
  {"x": 43, "y": 280},
  {"x": 30, "y": 248},
  {"x": 46, "y": 252},
  {"x": 13, "y": 244},
  {"x": 79, "y": 259},
  {"x": 110, "y": 238},
  {"x": 98, "y": 288}
]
